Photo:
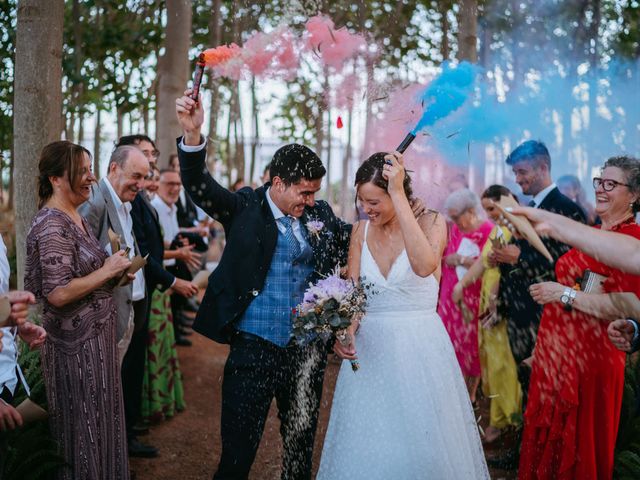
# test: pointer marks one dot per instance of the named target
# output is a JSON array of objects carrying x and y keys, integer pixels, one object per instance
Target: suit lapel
[
  {"x": 314, "y": 242},
  {"x": 548, "y": 201},
  {"x": 114, "y": 220},
  {"x": 270, "y": 229}
]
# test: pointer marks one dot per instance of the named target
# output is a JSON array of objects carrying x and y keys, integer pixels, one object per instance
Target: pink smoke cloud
[{"x": 333, "y": 46}]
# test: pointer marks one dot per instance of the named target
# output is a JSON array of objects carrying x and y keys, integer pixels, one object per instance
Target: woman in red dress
[{"x": 571, "y": 420}]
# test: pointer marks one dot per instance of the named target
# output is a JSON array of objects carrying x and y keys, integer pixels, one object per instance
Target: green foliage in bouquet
[
  {"x": 32, "y": 452},
  {"x": 627, "y": 453},
  {"x": 329, "y": 306},
  {"x": 325, "y": 318}
]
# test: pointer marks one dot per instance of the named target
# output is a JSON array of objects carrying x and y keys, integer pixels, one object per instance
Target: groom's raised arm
[{"x": 213, "y": 198}]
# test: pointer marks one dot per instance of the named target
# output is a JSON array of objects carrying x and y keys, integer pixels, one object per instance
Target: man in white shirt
[
  {"x": 109, "y": 207},
  {"x": 165, "y": 204},
  {"x": 10, "y": 373}
]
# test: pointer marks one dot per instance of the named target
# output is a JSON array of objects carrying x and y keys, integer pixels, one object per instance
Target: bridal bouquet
[{"x": 329, "y": 307}]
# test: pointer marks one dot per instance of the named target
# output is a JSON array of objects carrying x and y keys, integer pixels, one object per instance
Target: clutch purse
[{"x": 592, "y": 282}]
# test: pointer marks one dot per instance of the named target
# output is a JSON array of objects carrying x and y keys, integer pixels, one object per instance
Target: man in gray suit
[{"x": 109, "y": 207}]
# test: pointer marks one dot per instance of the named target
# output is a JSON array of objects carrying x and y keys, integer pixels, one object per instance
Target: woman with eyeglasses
[{"x": 571, "y": 420}]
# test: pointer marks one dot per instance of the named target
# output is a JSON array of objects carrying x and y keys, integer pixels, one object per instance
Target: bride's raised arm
[{"x": 424, "y": 238}]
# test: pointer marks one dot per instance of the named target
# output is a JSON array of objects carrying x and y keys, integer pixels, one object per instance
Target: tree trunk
[
  {"x": 328, "y": 126},
  {"x": 119, "y": 122},
  {"x": 11, "y": 177},
  {"x": 344, "y": 181},
  {"x": 173, "y": 73},
  {"x": 80, "y": 128},
  {"x": 256, "y": 131},
  {"x": 215, "y": 28},
  {"x": 97, "y": 133},
  {"x": 445, "y": 49},
  {"x": 238, "y": 134},
  {"x": 468, "y": 31},
  {"x": 37, "y": 103}
]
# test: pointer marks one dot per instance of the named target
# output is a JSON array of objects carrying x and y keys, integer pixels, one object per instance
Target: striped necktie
[
  {"x": 532, "y": 203},
  {"x": 291, "y": 239}
]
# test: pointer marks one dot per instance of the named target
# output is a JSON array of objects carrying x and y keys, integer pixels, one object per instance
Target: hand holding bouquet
[{"x": 329, "y": 308}]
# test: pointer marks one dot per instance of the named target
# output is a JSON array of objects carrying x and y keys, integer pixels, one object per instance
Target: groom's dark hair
[{"x": 295, "y": 162}]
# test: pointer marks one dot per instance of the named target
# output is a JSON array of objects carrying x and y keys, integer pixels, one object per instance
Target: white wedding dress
[{"x": 406, "y": 413}]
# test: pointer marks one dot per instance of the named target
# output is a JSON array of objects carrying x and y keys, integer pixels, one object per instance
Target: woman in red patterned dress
[{"x": 571, "y": 420}]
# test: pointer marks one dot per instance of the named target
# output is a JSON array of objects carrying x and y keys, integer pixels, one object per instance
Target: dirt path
[{"x": 190, "y": 443}]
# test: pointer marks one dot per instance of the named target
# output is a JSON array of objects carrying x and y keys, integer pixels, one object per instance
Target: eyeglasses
[
  {"x": 607, "y": 184},
  {"x": 151, "y": 154}
]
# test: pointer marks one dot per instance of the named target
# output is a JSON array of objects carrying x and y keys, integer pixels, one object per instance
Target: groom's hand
[{"x": 191, "y": 117}]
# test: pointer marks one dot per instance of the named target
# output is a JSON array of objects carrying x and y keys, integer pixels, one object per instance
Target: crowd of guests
[
  {"x": 539, "y": 333},
  {"x": 540, "y": 338},
  {"x": 109, "y": 360}
]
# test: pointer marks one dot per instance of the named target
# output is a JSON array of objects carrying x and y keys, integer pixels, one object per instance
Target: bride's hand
[
  {"x": 393, "y": 172},
  {"x": 347, "y": 352}
]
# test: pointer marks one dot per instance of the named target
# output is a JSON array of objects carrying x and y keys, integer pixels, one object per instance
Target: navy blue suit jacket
[
  {"x": 251, "y": 234},
  {"x": 515, "y": 301}
]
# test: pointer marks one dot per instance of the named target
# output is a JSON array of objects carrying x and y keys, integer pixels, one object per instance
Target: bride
[{"x": 405, "y": 414}]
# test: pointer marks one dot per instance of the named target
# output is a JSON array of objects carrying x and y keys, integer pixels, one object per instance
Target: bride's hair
[{"x": 371, "y": 172}]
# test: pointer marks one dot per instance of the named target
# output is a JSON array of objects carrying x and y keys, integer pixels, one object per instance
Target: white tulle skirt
[{"x": 406, "y": 413}]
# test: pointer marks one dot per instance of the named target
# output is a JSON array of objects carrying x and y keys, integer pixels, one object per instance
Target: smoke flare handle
[
  {"x": 197, "y": 77},
  {"x": 406, "y": 142}
]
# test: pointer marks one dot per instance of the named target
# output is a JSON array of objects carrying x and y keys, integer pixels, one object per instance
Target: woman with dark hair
[
  {"x": 406, "y": 412},
  {"x": 577, "y": 380},
  {"x": 72, "y": 279},
  {"x": 499, "y": 373}
]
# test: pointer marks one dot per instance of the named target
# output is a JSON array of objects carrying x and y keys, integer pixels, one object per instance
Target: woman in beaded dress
[{"x": 72, "y": 279}]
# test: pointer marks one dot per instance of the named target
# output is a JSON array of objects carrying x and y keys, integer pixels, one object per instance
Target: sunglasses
[{"x": 607, "y": 184}]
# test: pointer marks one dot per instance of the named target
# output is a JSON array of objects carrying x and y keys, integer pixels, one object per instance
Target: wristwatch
[{"x": 567, "y": 298}]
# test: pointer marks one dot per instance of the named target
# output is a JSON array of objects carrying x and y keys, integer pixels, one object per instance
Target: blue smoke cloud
[{"x": 446, "y": 93}]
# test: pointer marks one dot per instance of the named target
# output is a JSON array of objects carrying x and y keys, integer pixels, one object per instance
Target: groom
[{"x": 269, "y": 260}]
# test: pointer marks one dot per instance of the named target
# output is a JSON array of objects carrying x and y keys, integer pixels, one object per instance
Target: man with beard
[{"x": 521, "y": 265}]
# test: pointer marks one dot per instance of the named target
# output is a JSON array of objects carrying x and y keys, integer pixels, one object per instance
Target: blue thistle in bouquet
[{"x": 328, "y": 309}]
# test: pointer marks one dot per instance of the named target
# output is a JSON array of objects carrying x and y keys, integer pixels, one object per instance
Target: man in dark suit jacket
[
  {"x": 146, "y": 230},
  {"x": 521, "y": 265},
  {"x": 269, "y": 259}
]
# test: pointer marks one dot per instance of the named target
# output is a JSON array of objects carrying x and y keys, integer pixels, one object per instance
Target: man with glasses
[
  {"x": 178, "y": 264},
  {"x": 522, "y": 265},
  {"x": 144, "y": 144}
]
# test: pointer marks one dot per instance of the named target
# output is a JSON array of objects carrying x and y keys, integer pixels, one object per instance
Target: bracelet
[{"x": 567, "y": 298}]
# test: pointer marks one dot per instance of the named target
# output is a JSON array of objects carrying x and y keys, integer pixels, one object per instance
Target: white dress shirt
[
  {"x": 541, "y": 195},
  {"x": 9, "y": 353},
  {"x": 295, "y": 222},
  {"x": 124, "y": 214},
  {"x": 168, "y": 218}
]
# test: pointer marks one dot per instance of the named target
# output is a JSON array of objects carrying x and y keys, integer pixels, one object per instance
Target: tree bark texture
[
  {"x": 215, "y": 30},
  {"x": 173, "y": 74},
  {"x": 468, "y": 31},
  {"x": 37, "y": 118}
]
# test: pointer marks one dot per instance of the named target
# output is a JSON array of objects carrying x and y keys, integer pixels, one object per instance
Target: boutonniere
[{"x": 315, "y": 227}]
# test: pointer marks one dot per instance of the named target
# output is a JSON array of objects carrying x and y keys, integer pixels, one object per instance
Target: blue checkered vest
[{"x": 269, "y": 314}]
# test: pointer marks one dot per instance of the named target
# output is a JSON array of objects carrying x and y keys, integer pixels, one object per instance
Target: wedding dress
[{"x": 405, "y": 414}]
